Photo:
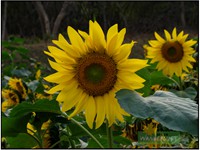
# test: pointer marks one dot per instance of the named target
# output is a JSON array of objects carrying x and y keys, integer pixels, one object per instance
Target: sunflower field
[{"x": 91, "y": 89}]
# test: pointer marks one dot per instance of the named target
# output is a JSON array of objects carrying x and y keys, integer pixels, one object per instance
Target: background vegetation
[
  {"x": 28, "y": 28},
  {"x": 27, "y": 19}
]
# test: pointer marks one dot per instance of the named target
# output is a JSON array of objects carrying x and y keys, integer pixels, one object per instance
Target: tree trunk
[
  {"x": 4, "y": 21},
  {"x": 183, "y": 14},
  {"x": 42, "y": 14},
  {"x": 59, "y": 18}
]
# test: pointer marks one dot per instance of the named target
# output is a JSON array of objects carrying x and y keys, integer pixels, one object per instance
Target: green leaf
[
  {"x": 157, "y": 77},
  {"x": 21, "y": 72},
  {"x": 43, "y": 105},
  {"x": 144, "y": 73},
  {"x": 16, "y": 40},
  {"x": 22, "y": 140},
  {"x": 33, "y": 85},
  {"x": 5, "y": 55},
  {"x": 173, "y": 112},
  {"x": 11, "y": 126},
  {"x": 22, "y": 50},
  {"x": 120, "y": 140},
  {"x": 103, "y": 140},
  {"x": 189, "y": 92}
]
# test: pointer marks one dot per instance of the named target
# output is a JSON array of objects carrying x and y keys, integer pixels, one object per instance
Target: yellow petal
[
  {"x": 120, "y": 38},
  {"x": 61, "y": 55},
  {"x": 180, "y": 35},
  {"x": 167, "y": 35},
  {"x": 98, "y": 37},
  {"x": 179, "y": 69},
  {"x": 55, "y": 66},
  {"x": 76, "y": 40},
  {"x": 124, "y": 52},
  {"x": 130, "y": 77},
  {"x": 183, "y": 38},
  {"x": 122, "y": 83},
  {"x": 90, "y": 111},
  {"x": 71, "y": 98},
  {"x": 68, "y": 91},
  {"x": 189, "y": 43},
  {"x": 109, "y": 109},
  {"x": 162, "y": 64},
  {"x": 111, "y": 32},
  {"x": 100, "y": 111},
  {"x": 189, "y": 58},
  {"x": 159, "y": 38},
  {"x": 174, "y": 33},
  {"x": 80, "y": 105},
  {"x": 155, "y": 43},
  {"x": 56, "y": 88},
  {"x": 132, "y": 65},
  {"x": 59, "y": 77},
  {"x": 111, "y": 50},
  {"x": 67, "y": 48}
]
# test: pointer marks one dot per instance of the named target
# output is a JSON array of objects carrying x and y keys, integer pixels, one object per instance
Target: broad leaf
[
  {"x": 22, "y": 140},
  {"x": 21, "y": 72},
  {"x": 144, "y": 73},
  {"x": 157, "y": 77},
  {"x": 189, "y": 92},
  {"x": 33, "y": 85},
  {"x": 11, "y": 126},
  {"x": 173, "y": 112},
  {"x": 43, "y": 105}
]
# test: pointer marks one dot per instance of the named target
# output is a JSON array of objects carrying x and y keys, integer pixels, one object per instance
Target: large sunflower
[
  {"x": 91, "y": 70},
  {"x": 173, "y": 54}
]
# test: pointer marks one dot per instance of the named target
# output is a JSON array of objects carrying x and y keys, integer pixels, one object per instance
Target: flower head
[
  {"x": 10, "y": 99},
  {"x": 91, "y": 69},
  {"x": 17, "y": 84},
  {"x": 173, "y": 54}
]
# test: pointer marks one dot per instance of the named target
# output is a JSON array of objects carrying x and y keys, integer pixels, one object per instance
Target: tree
[
  {"x": 44, "y": 18},
  {"x": 4, "y": 19}
]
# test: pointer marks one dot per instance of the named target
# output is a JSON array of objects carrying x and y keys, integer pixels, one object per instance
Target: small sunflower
[
  {"x": 16, "y": 84},
  {"x": 173, "y": 54},
  {"x": 91, "y": 69},
  {"x": 46, "y": 138},
  {"x": 10, "y": 99}
]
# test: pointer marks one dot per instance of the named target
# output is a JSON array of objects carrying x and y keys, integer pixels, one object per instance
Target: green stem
[
  {"x": 12, "y": 61},
  {"x": 36, "y": 139},
  {"x": 109, "y": 135},
  {"x": 52, "y": 146},
  {"x": 82, "y": 127},
  {"x": 40, "y": 137},
  {"x": 181, "y": 85},
  {"x": 175, "y": 82}
]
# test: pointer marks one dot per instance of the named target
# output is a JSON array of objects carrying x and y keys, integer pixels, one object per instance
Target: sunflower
[
  {"x": 16, "y": 84},
  {"x": 173, "y": 54},
  {"x": 46, "y": 135},
  {"x": 90, "y": 70},
  {"x": 10, "y": 99}
]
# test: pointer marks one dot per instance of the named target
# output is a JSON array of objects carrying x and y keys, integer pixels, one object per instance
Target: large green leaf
[
  {"x": 157, "y": 77},
  {"x": 43, "y": 105},
  {"x": 22, "y": 140},
  {"x": 144, "y": 73},
  {"x": 173, "y": 112},
  {"x": 11, "y": 126},
  {"x": 189, "y": 92}
]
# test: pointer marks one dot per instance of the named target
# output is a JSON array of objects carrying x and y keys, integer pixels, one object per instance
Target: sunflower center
[
  {"x": 96, "y": 74},
  {"x": 172, "y": 51}
]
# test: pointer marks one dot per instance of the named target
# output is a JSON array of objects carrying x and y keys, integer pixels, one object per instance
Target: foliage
[
  {"x": 136, "y": 16},
  {"x": 37, "y": 121}
]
